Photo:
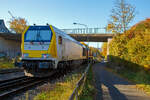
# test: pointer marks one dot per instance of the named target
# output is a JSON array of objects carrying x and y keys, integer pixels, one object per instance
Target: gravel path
[{"x": 113, "y": 87}]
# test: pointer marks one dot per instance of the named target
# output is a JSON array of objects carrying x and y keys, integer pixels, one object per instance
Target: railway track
[
  {"x": 13, "y": 86},
  {"x": 11, "y": 80},
  {"x": 6, "y": 71}
]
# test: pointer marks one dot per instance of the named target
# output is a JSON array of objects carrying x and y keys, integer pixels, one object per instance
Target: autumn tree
[
  {"x": 121, "y": 15},
  {"x": 132, "y": 49},
  {"x": 104, "y": 49},
  {"x": 18, "y": 24}
]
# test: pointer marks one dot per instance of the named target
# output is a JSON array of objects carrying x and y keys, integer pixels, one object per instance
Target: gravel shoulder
[{"x": 112, "y": 87}]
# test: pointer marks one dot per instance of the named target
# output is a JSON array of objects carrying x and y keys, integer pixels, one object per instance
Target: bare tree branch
[{"x": 121, "y": 15}]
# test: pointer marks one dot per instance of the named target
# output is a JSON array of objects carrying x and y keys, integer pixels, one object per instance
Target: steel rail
[
  {"x": 13, "y": 86},
  {"x": 10, "y": 80},
  {"x": 19, "y": 88},
  {"x": 16, "y": 83}
]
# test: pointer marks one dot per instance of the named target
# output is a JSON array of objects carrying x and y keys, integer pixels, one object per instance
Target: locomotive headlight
[
  {"x": 25, "y": 55},
  {"x": 45, "y": 55}
]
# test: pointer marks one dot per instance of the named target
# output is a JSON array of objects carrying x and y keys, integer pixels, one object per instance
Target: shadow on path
[{"x": 104, "y": 78}]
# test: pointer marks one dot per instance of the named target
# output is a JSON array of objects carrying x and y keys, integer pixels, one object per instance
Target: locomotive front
[{"x": 39, "y": 51}]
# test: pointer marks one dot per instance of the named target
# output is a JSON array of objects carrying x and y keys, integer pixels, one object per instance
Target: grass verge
[
  {"x": 141, "y": 78},
  {"x": 61, "y": 90},
  {"x": 5, "y": 63},
  {"x": 88, "y": 92}
]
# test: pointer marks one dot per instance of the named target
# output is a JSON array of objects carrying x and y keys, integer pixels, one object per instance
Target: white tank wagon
[{"x": 46, "y": 48}]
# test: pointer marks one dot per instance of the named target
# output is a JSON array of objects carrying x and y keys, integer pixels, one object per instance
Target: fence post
[{"x": 74, "y": 95}]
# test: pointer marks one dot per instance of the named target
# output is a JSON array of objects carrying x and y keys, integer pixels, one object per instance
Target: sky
[{"x": 62, "y": 13}]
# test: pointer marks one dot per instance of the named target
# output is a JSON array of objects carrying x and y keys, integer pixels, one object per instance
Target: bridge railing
[{"x": 85, "y": 31}]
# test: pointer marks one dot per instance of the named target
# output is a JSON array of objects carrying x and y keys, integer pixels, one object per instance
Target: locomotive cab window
[{"x": 60, "y": 40}]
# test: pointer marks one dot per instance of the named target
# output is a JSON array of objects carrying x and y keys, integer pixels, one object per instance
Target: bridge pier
[{"x": 108, "y": 42}]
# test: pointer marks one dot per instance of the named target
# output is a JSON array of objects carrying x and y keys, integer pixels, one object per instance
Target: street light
[
  {"x": 80, "y": 24},
  {"x": 87, "y": 35}
]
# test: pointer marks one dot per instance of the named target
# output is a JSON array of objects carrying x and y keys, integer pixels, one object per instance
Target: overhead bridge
[
  {"x": 92, "y": 37},
  {"x": 89, "y": 34}
]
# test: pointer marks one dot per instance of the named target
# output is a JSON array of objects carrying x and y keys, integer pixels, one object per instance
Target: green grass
[
  {"x": 141, "y": 78},
  {"x": 5, "y": 63},
  {"x": 88, "y": 92},
  {"x": 61, "y": 90}
]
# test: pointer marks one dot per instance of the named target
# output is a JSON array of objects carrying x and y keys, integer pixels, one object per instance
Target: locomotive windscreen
[{"x": 38, "y": 34}]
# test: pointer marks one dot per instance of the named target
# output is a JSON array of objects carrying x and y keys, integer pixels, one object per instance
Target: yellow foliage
[
  {"x": 18, "y": 24},
  {"x": 104, "y": 49},
  {"x": 132, "y": 49},
  {"x": 110, "y": 27}
]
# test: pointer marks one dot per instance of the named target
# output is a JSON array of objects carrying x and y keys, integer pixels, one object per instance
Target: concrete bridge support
[{"x": 108, "y": 48}]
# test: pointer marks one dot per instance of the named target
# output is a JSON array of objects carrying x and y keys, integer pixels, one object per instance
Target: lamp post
[
  {"x": 81, "y": 24},
  {"x": 87, "y": 33}
]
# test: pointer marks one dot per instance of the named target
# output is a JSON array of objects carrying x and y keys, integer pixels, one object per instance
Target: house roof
[
  {"x": 3, "y": 28},
  {"x": 6, "y": 34},
  {"x": 11, "y": 36}
]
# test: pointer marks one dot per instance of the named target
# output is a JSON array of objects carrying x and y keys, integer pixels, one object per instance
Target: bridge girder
[{"x": 92, "y": 37}]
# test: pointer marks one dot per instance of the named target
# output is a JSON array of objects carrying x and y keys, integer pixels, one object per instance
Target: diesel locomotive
[{"x": 47, "y": 48}]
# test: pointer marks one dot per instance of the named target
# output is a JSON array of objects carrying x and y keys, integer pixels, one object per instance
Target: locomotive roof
[{"x": 67, "y": 36}]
